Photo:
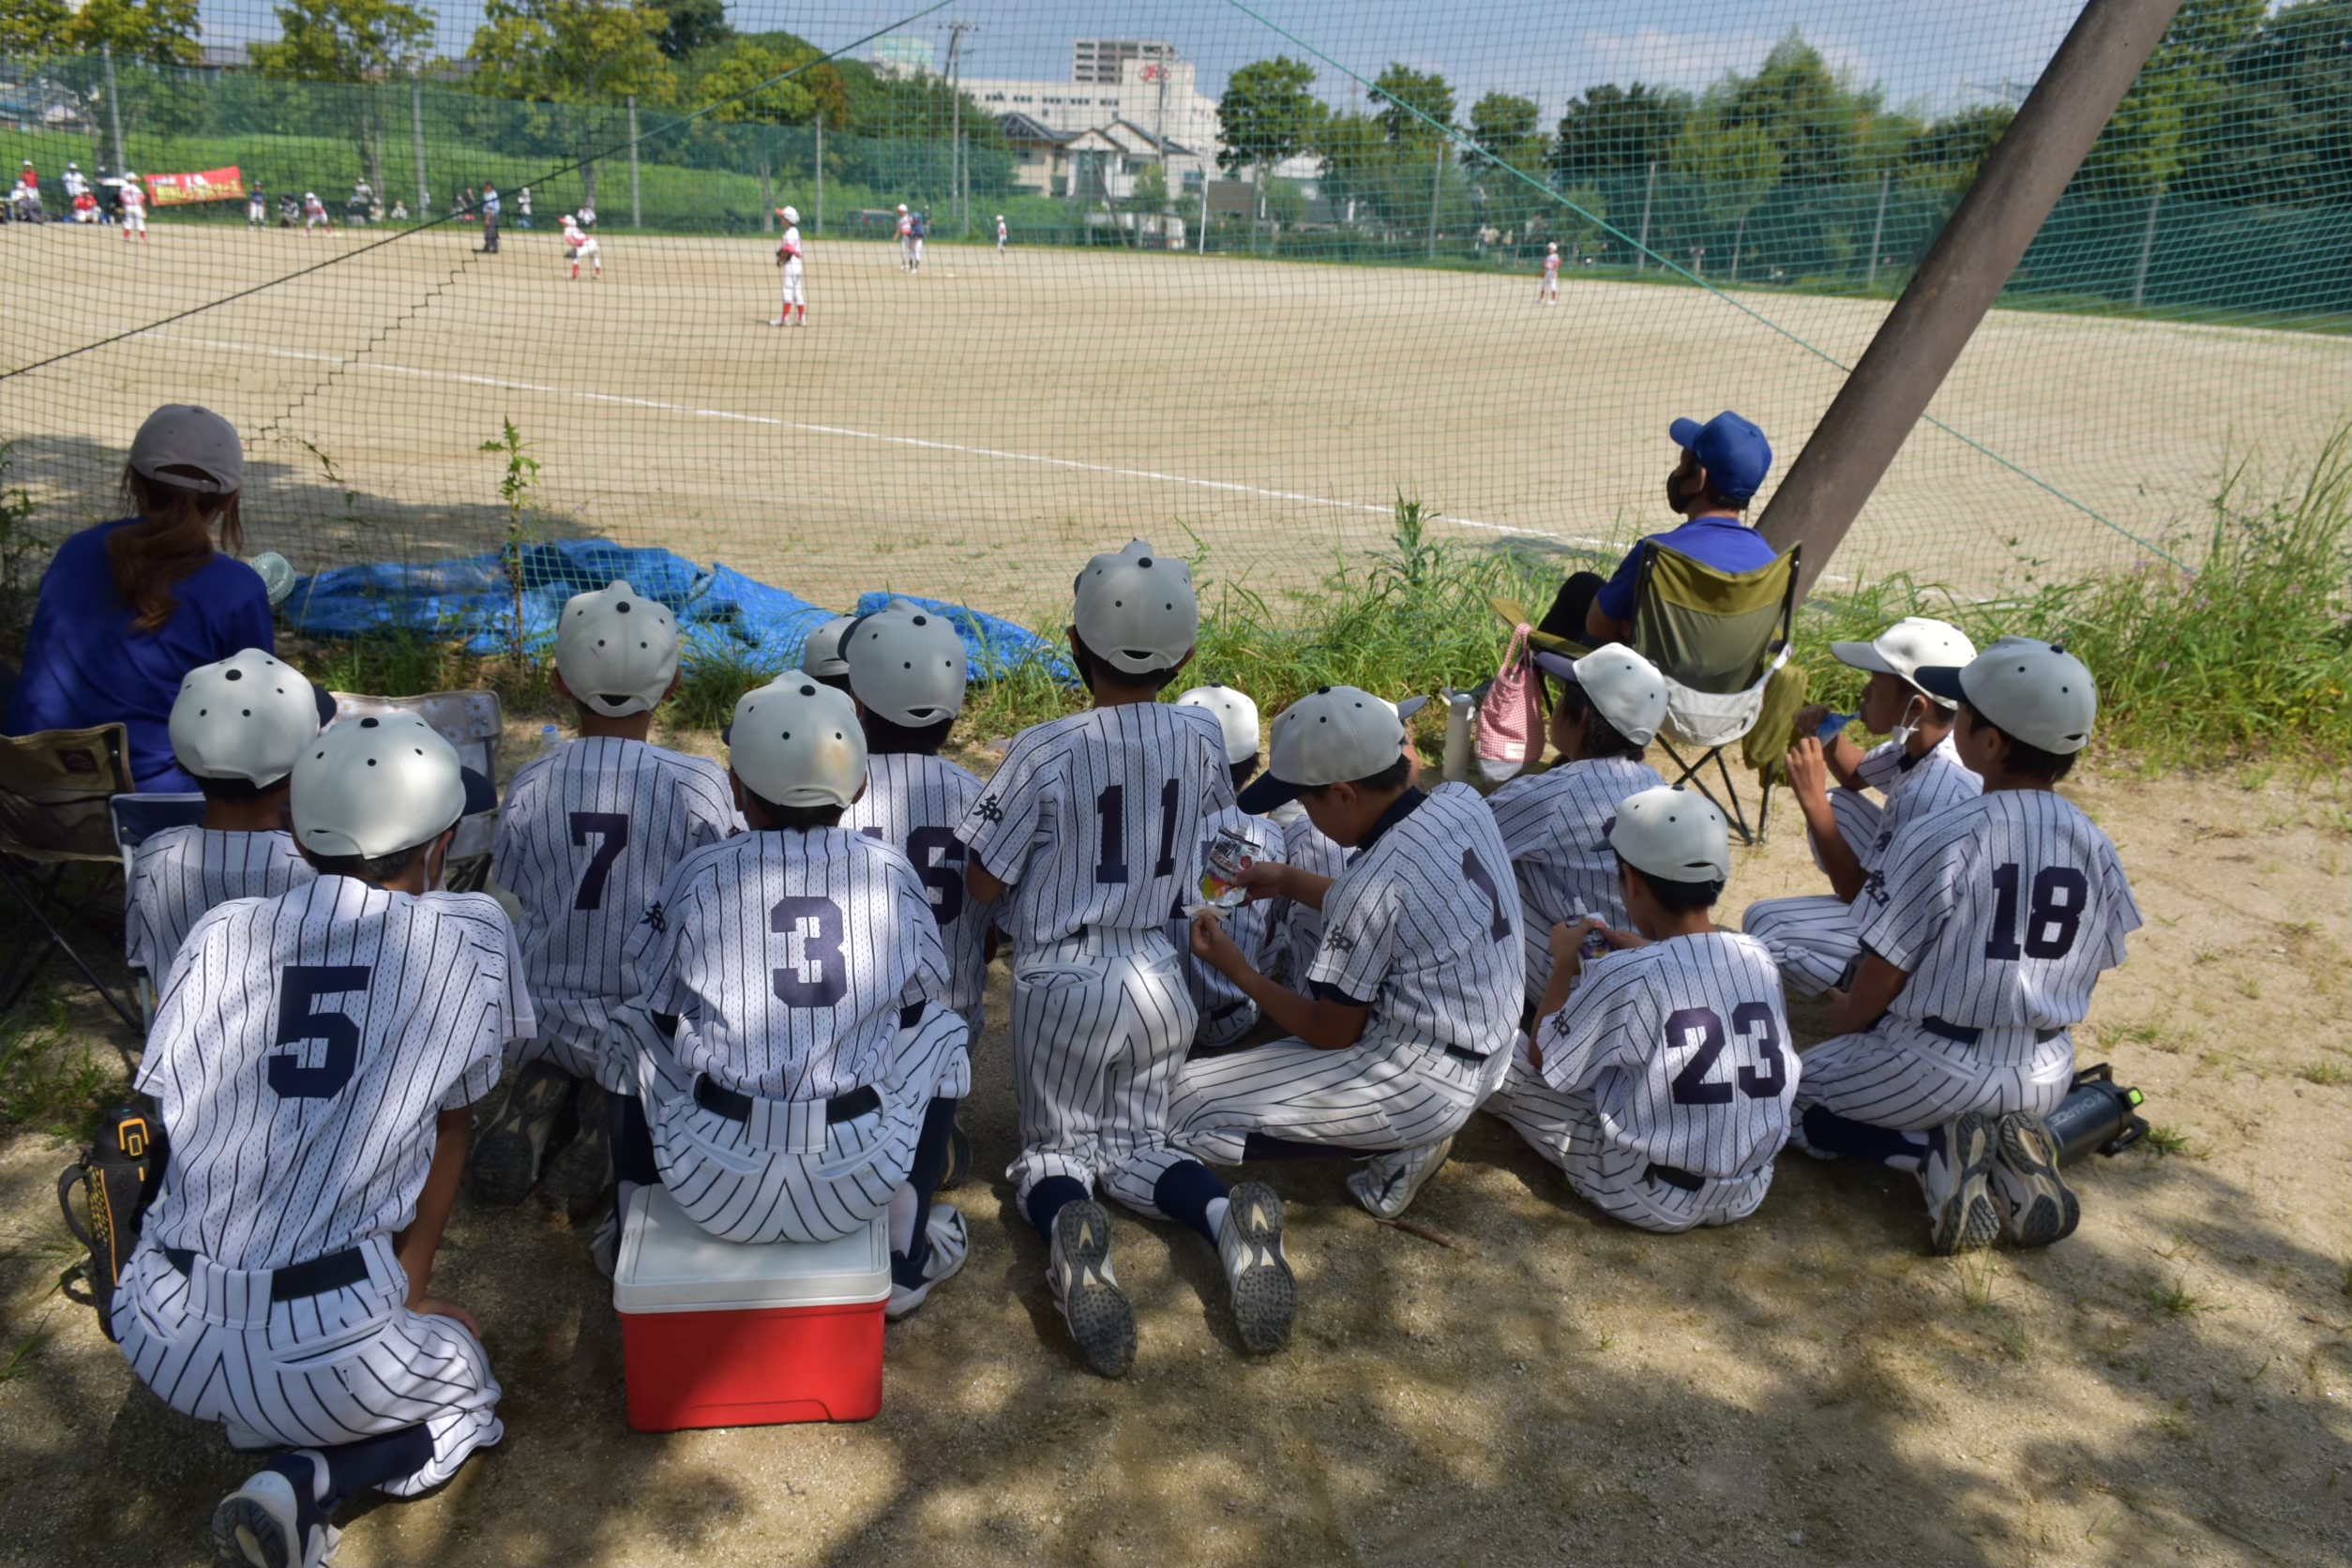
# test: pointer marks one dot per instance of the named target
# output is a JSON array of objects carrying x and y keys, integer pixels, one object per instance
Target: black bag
[{"x": 118, "y": 1176}]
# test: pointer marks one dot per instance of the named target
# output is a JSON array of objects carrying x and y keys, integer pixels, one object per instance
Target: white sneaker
[
  {"x": 778, "y": 322},
  {"x": 1955, "y": 1179},
  {"x": 2042, "y": 1209},
  {"x": 257, "y": 1524},
  {"x": 951, "y": 1244},
  {"x": 1385, "y": 1184},
  {"x": 1257, "y": 1278},
  {"x": 1088, "y": 1292}
]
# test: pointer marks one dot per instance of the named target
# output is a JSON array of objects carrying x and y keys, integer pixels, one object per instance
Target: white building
[{"x": 1113, "y": 126}]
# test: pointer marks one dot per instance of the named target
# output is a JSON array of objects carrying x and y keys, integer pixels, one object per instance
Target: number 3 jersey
[
  {"x": 912, "y": 803},
  {"x": 792, "y": 959},
  {"x": 586, "y": 838},
  {"x": 304, "y": 1046},
  {"x": 2003, "y": 910},
  {"x": 1683, "y": 1046}
]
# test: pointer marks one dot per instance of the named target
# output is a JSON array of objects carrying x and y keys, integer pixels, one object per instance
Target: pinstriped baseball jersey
[
  {"x": 2003, "y": 912},
  {"x": 1096, "y": 817},
  {"x": 912, "y": 803},
  {"x": 1684, "y": 1046},
  {"x": 585, "y": 840},
  {"x": 1251, "y": 925},
  {"x": 790, "y": 956},
  {"x": 1304, "y": 846},
  {"x": 1556, "y": 827},
  {"x": 1936, "y": 782},
  {"x": 180, "y": 872},
  {"x": 1423, "y": 928},
  {"x": 302, "y": 1049}
]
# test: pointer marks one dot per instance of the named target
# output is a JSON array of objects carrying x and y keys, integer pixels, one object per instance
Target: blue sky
[{"x": 1935, "y": 53}]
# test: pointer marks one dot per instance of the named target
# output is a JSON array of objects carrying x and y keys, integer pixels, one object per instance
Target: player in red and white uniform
[
  {"x": 1001, "y": 233},
  {"x": 1548, "y": 293},
  {"x": 133, "y": 197},
  {"x": 788, "y": 257},
  {"x": 582, "y": 249},
  {"x": 315, "y": 213},
  {"x": 906, "y": 238}
]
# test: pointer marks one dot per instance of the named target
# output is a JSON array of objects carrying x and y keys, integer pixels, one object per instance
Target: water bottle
[
  {"x": 1455, "y": 767},
  {"x": 550, "y": 741},
  {"x": 2097, "y": 1113}
]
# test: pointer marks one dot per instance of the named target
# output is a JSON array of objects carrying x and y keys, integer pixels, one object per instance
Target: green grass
[
  {"x": 2165, "y": 1140},
  {"x": 2175, "y": 1299},
  {"x": 49, "y": 1081}
]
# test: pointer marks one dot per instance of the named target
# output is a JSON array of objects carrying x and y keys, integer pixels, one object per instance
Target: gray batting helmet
[
  {"x": 905, "y": 664},
  {"x": 248, "y": 717},
  {"x": 377, "y": 785}
]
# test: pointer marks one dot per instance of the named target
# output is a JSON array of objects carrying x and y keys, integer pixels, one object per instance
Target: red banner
[{"x": 213, "y": 185}]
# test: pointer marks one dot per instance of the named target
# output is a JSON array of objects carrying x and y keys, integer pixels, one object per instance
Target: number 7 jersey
[{"x": 2003, "y": 910}]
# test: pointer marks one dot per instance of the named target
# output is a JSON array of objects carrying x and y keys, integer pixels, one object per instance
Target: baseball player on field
[
  {"x": 1661, "y": 1083},
  {"x": 1983, "y": 931},
  {"x": 132, "y": 198},
  {"x": 788, "y": 257},
  {"x": 1814, "y": 936},
  {"x": 820, "y": 654},
  {"x": 907, "y": 677},
  {"x": 1002, "y": 234},
  {"x": 578, "y": 247},
  {"x": 1226, "y": 1014},
  {"x": 316, "y": 1059},
  {"x": 1414, "y": 998},
  {"x": 1547, "y": 291},
  {"x": 1098, "y": 822},
  {"x": 1555, "y": 824},
  {"x": 236, "y": 727},
  {"x": 906, "y": 238},
  {"x": 585, "y": 841},
  {"x": 315, "y": 214},
  {"x": 797, "y": 1064}
]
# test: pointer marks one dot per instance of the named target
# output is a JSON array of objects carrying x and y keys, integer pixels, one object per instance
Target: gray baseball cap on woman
[{"x": 192, "y": 448}]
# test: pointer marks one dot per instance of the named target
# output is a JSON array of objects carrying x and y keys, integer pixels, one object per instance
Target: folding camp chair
[
  {"x": 473, "y": 722},
  {"x": 55, "y": 787},
  {"x": 138, "y": 818}
]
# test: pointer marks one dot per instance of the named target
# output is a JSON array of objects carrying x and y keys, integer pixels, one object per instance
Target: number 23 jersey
[{"x": 2003, "y": 910}]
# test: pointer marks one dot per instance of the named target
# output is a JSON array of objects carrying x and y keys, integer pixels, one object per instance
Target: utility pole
[
  {"x": 1961, "y": 275},
  {"x": 956, "y": 31},
  {"x": 1641, "y": 245},
  {"x": 818, "y": 227},
  {"x": 416, "y": 123},
  {"x": 115, "y": 109},
  {"x": 1167, "y": 196},
  {"x": 2148, "y": 247},
  {"x": 1437, "y": 183},
  {"x": 637, "y": 209},
  {"x": 1878, "y": 229}
]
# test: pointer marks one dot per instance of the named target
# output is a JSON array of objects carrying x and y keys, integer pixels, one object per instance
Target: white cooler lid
[{"x": 668, "y": 1263}]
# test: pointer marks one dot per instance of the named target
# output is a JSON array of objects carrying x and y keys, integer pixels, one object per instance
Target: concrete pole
[
  {"x": 636, "y": 207},
  {"x": 416, "y": 125},
  {"x": 1641, "y": 245},
  {"x": 2148, "y": 247},
  {"x": 819, "y": 226},
  {"x": 1879, "y": 230},
  {"x": 115, "y": 109},
  {"x": 1437, "y": 183},
  {"x": 1961, "y": 275}
]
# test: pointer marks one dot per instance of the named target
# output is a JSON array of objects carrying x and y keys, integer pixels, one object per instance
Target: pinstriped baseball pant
[
  {"x": 1101, "y": 1023},
  {"x": 1858, "y": 818},
  {"x": 1901, "y": 1077},
  {"x": 1386, "y": 1096},
  {"x": 1565, "y": 1129},
  {"x": 1812, "y": 939},
  {"x": 318, "y": 1372}
]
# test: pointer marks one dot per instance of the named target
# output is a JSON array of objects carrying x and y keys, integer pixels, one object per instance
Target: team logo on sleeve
[
  {"x": 656, "y": 917},
  {"x": 1339, "y": 942},
  {"x": 989, "y": 810},
  {"x": 1875, "y": 885}
]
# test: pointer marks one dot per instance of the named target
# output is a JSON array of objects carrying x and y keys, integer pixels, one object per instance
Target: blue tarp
[{"x": 721, "y": 612}]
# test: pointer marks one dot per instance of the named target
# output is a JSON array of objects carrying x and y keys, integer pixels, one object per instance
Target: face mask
[
  {"x": 1902, "y": 732},
  {"x": 1677, "y": 499}
]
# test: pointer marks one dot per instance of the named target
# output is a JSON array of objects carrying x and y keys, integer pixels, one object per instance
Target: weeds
[
  {"x": 2163, "y": 1141},
  {"x": 2324, "y": 1073},
  {"x": 513, "y": 488},
  {"x": 19, "y": 580},
  {"x": 20, "y": 1357},
  {"x": 2175, "y": 1299},
  {"x": 48, "y": 1081}
]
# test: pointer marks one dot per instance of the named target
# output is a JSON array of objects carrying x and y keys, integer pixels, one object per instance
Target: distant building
[
  {"x": 1086, "y": 137},
  {"x": 1101, "y": 62},
  {"x": 904, "y": 54},
  {"x": 1099, "y": 164}
]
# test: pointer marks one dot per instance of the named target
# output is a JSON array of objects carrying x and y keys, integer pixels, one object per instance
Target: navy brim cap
[
  {"x": 325, "y": 700},
  {"x": 1265, "y": 792},
  {"x": 1939, "y": 680},
  {"x": 1558, "y": 666},
  {"x": 480, "y": 794},
  {"x": 1684, "y": 431}
]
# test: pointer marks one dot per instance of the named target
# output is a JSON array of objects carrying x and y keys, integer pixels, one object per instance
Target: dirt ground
[
  {"x": 2172, "y": 1384},
  {"x": 944, "y": 432}
]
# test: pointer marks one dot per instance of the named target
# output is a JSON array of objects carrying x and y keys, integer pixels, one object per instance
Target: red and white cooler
[{"x": 717, "y": 1333}]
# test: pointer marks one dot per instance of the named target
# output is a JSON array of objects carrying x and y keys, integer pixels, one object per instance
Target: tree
[
  {"x": 692, "y": 25},
  {"x": 1359, "y": 165},
  {"x": 1736, "y": 167},
  {"x": 349, "y": 40},
  {"x": 1267, "y": 115},
  {"x": 32, "y": 28},
  {"x": 1407, "y": 96},
  {"x": 1610, "y": 130},
  {"x": 734, "y": 87},
  {"x": 160, "y": 32},
  {"x": 1504, "y": 128},
  {"x": 582, "y": 52}
]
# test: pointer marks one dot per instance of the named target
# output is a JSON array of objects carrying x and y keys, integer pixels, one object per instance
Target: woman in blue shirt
[{"x": 128, "y": 608}]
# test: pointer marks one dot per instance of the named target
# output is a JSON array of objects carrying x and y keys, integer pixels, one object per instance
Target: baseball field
[
  {"x": 971, "y": 429},
  {"x": 1517, "y": 1380}
]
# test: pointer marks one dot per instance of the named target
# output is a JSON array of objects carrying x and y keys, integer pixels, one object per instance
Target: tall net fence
[{"x": 1264, "y": 271}]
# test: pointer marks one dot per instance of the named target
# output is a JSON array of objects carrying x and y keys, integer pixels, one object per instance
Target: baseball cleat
[
  {"x": 261, "y": 1524},
  {"x": 1258, "y": 1276},
  {"x": 1385, "y": 1184},
  {"x": 580, "y": 1171},
  {"x": 959, "y": 1159},
  {"x": 1088, "y": 1292},
  {"x": 951, "y": 1244},
  {"x": 506, "y": 1161},
  {"x": 2042, "y": 1209},
  {"x": 1955, "y": 1177}
]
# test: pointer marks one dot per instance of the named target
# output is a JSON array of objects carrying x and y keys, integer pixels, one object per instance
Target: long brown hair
[{"x": 171, "y": 539}]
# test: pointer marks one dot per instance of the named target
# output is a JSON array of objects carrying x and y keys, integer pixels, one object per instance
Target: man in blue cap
[{"x": 1723, "y": 465}]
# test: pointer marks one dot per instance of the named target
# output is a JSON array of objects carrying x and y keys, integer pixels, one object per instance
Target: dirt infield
[
  {"x": 2173, "y": 1384},
  {"x": 950, "y": 432}
]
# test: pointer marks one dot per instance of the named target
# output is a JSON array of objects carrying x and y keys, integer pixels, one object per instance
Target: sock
[
  {"x": 1266, "y": 1146},
  {"x": 902, "y": 1217},
  {"x": 1049, "y": 1197},
  {"x": 1214, "y": 1214},
  {"x": 930, "y": 1164},
  {"x": 1837, "y": 1135},
  {"x": 1184, "y": 1192},
  {"x": 631, "y": 1140}
]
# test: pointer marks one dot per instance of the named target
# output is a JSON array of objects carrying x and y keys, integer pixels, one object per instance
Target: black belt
[
  {"x": 1969, "y": 1034},
  {"x": 1469, "y": 1056},
  {"x": 1674, "y": 1176},
  {"x": 296, "y": 1281},
  {"x": 1228, "y": 1010},
  {"x": 736, "y": 1106}
]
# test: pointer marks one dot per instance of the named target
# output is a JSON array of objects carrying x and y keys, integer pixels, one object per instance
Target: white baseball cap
[
  {"x": 1236, "y": 715},
  {"x": 820, "y": 654},
  {"x": 902, "y": 207},
  {"x": 789, "y": 214},
  {"x": 1623, "y": 687},
  {"x": 905, "y": 664},
  {"x": 617, "y": 650},
  {"x": 376, "y": 785},
  {"x": 192, "y": 448},
  {"x": 1672, "y": 835},
  {"x": 248, "y": 717},
  {"x": 1906, "y": 646},
  {"x": 1135, "y": 610},
  {"x": 1332, "y": 735},
  {"x": 798, "y": 744},
  {"x": 2035, "y": 691}
]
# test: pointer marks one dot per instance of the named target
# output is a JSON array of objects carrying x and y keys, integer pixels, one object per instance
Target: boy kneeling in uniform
[
  {"x": 1661, "y": 1083},
  {"x": 316, "y": 1057}
]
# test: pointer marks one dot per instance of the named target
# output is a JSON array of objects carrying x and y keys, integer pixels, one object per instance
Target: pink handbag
[{"x": 1512, "y": 717}]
